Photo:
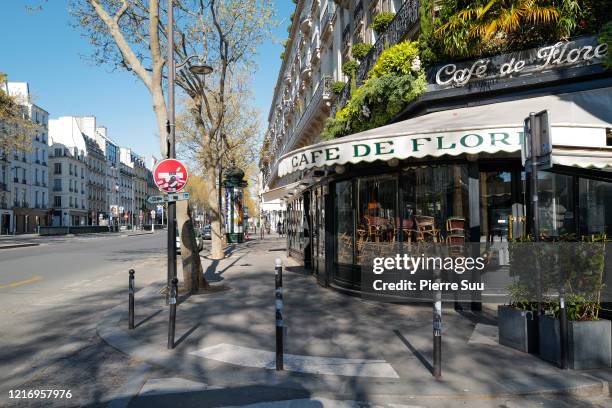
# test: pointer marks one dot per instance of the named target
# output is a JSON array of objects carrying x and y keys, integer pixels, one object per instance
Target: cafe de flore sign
[{"x": 368, "y": 148}]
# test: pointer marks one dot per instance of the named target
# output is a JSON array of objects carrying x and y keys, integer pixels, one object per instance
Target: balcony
[
  {"x": 321, "y": 95},
  {"x": 327, "y": 21},
  {"x": 306, "y": 24},
  {"x": 305, "y": 69}
]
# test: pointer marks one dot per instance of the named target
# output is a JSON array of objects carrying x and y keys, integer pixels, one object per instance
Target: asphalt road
[{"x": 51, "y": 297}]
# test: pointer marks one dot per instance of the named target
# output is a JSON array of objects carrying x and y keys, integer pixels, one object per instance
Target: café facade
[{"x": 449, "y": 167}]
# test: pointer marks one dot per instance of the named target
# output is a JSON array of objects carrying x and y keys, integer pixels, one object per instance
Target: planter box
[
  {"x": 589, "y": 343},
  {"x": 517, "y": 329}
]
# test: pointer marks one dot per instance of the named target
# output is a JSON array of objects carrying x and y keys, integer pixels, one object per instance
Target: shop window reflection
[
  {"x": 556, "y": 203},
  {"x": 344, "y": 222},
  {"x": 595, "y": 207}
]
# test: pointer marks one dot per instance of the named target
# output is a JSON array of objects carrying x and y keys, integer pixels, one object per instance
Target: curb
[{"x": 11, "y": 246}]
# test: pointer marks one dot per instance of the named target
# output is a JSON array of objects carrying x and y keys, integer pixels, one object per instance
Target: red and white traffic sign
[{"x": 170, "y": 176}]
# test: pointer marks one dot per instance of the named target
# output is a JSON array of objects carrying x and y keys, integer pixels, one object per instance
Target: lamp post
[{"x": 200, "y": 69}]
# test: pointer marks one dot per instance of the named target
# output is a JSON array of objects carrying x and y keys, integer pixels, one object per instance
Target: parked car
[
  {"x": 206, "y": 232},
  {"x": 199, "y": 241}
]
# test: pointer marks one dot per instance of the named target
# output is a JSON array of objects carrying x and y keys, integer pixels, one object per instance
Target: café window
[
  {"x": 376, "y": 212},
  {"x": 344, "y": 222},
  {"x": 434, "y": 204}
]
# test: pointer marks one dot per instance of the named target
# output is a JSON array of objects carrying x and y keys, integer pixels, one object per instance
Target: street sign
[
  {"x": 170, "y": 176},
  {"x": 167, "y": 198}
]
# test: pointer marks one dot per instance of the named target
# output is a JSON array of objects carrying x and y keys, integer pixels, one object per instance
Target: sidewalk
[{"x": 336, "y": 345}]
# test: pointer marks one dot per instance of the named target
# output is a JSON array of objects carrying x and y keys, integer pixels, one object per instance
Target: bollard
[
  {"x": 278, "y": 279},
  {"x": 172, "y": 319},
  {"x": 563, "y": 330},
  {"x": 437, "y": 330},
  {"x": 131, "y": 300}
]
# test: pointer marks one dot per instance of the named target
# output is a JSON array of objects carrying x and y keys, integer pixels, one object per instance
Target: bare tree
[
  {"x": 130, "y": 35},
  {"x": 228, "y": 33}
]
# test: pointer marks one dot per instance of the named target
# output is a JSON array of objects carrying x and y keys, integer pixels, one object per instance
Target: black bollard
[
  {"x": 278, "y": 279},
  {"x": 131, "y": 300},
  {"x": 172, "y": 319},
  {"x": 563, "y": 330},
  {"x": 437, "y": 330}
]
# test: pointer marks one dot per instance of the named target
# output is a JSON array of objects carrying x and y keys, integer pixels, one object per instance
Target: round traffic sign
[{"x": 170, "y": 176}]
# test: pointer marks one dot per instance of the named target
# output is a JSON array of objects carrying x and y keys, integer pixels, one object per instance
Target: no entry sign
[{"x": 170, "y": 176}]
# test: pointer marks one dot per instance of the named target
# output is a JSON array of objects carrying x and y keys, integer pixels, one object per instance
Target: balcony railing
[
  {"x": 327, "y": 18},
  {"x": 405, "y": 21},
  {"x": 323, "y": 90}
]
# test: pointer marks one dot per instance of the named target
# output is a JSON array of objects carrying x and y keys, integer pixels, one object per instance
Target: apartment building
[
  {"x": 111, "y": 153},
  {"x": 96, "y": 182},
  {"x": 126, "y": 186},
  {"x": 140, "y": 175},
  {"x": 69, "y": 173},
  {"x": 25, "y": 171}
]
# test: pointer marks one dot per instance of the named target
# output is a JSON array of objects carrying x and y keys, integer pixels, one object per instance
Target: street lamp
[{"x": 197, "y": 69}]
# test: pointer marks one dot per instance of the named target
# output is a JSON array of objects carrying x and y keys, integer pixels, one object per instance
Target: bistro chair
[
  {"x": 455, "y": 230},
  {"x": 407, "y": 228},
  {"x": 426, "y": 227}
]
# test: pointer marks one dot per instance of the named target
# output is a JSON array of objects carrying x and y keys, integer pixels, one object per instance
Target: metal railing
[{"x": 405, "y": 20}]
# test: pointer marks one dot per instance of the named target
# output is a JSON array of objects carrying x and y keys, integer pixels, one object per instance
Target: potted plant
[
  {"x": 580, "y": 273},
  {"x": 516, "y": 322}
]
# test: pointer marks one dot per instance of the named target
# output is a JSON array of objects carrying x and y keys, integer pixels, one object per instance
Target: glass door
[{"x": 496, "y": 203}]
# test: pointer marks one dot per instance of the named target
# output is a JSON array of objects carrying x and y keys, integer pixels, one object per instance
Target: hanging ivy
[{"x": 396, "y": 79}]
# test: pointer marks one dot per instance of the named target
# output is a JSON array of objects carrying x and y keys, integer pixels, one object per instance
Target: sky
[{"x": 43, "y": 49}]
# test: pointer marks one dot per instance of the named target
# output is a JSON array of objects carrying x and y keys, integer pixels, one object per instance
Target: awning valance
[
  {"x": 578, "y": 120},
  {"x": 286, "y": 190}
]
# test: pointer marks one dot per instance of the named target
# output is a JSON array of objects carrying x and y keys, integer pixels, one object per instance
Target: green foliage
[
  {"x": 360, "y": 51},
  {"x": 485, "y": 27},
  {"x": 398, "y": 59},
  {"x": 381, "y": 21},
  {"x": 282, "y": 55},
  {"x": 427, "y": 42},
  {"x": 337, "y": 87},
  {"x": 606, "y": 37},
  {"x": 574, "y": 266},
  {"x": 394, "y": 81},
  {"x": 350, "y": 68}
]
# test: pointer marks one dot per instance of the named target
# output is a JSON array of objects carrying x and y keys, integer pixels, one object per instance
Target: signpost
[
  {"x": 170, "y": 176},
  {"x": 166, "y": 198}
]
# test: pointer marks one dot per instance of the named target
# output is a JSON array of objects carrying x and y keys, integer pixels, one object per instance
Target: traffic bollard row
[
  {"x": 172, "y": 318},
  {"x": 131, "y": 300},
  {"x": 278, "y": 279}
]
